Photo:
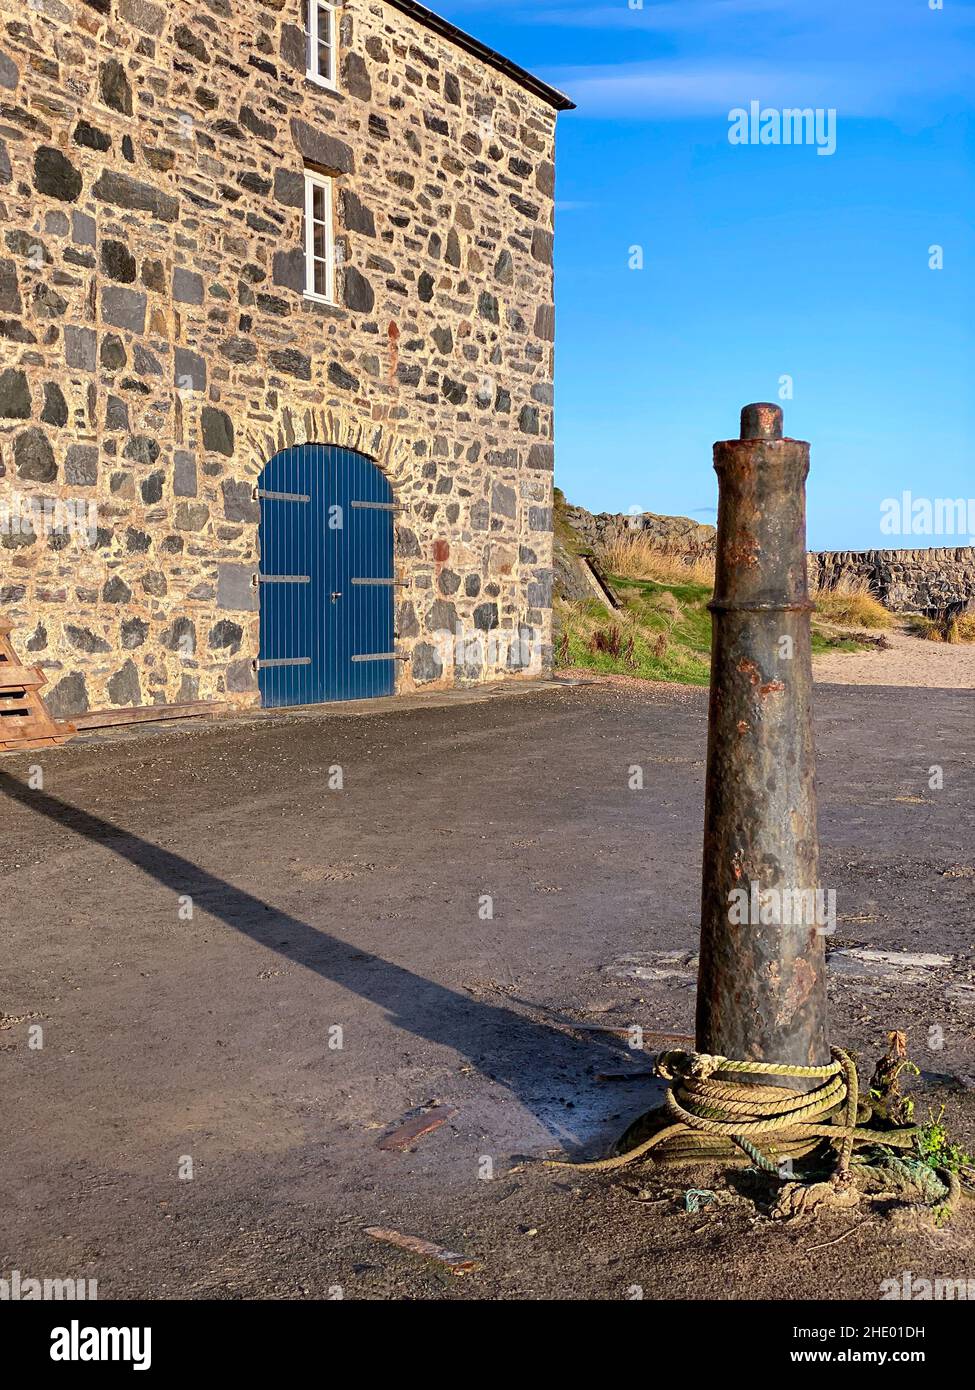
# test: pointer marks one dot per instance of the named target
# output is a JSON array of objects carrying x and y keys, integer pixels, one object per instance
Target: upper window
[
  {"x": 319, "y": 239},
  {"x": 322, "y": 42}
]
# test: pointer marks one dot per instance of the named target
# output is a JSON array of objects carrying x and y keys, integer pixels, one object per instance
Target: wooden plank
[
  {"x": 426, "y": 1249},
  {"x": 403, "y": 1138},
  {"x": 33, "y": 733},
  {"x": 21, "y": 717},
  {"x": 147, "y": 714},
  {"x": 22, "y": 745},
  {"x": 24, "y": 720},
  {"x": 20, "y": 677},
  {"x": 29, "y": 706}
]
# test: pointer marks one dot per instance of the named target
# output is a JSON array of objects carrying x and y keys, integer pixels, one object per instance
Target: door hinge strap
[
  {"x": 284, "y": 578},
  {"x": 394, "y": 583},
  {"x": 378, "y": 506},
  {"x": 283, "y": 661},
  {"x": 281, "y": 496}
]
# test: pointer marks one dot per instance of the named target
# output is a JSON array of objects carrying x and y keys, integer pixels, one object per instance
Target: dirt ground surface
[
  {"x": 909, "y": 660},
  {"x": 211, "y": 1039}
]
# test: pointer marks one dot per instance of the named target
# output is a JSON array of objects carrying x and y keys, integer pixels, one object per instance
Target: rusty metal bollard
[{"x": 762, "y": 983}]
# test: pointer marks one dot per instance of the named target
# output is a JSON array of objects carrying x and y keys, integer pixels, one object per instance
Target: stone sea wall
[{"x": 928, "y": 581}]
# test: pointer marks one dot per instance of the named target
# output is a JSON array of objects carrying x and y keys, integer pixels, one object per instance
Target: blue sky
[{"x": 760, "y": 261}]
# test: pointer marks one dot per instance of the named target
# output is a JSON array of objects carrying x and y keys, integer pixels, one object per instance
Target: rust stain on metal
[
  {"x": 745, "y": 551},
  {"x": 801, "y": 985},
  {"x": 762, "y": 984},
  {"x": 762, "y": 420}
]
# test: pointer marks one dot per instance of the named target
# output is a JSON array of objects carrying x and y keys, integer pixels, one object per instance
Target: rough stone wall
[
  {"x": 674, "y": 533},
  {"x": 157, "y": 348},
  {"x": 930, "y": 581}
]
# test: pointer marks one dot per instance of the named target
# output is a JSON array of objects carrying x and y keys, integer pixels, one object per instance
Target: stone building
[{"x": 231, "y": 230}]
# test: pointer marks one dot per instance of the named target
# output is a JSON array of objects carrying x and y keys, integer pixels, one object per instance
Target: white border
[
  {"x": 329, "y": 80},
  {"x": 313, "y": 181}
]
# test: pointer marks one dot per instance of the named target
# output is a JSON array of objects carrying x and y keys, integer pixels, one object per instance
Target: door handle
[{"x": 336, "y": 593}]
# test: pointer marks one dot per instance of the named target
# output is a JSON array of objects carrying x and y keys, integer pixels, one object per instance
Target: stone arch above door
[{"x": 328, "y": 425}]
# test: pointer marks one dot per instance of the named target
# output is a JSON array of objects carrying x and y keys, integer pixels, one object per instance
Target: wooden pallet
[{"x": 24, "y": 720}]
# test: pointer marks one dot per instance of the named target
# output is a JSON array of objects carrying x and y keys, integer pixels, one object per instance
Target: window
[
  {"x": 322, "y": 42},
  {"x": 319, "y": 239}
]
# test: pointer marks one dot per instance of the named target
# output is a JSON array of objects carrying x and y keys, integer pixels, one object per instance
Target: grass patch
[
  {"x": 564, "y": 530},
  {"x": 936, "y": 1148},
  {"x": 662, "y": 630},
  {"x": 661, "y": 633},
  {"x": 823, "y": 642},
  {"x": 654, "y": 637}
]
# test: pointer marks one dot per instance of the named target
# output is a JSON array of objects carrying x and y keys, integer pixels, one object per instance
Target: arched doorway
[{"x": 326, "y": 577}]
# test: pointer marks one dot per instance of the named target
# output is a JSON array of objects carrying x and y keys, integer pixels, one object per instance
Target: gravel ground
[{"x": 209, "y": 1044}]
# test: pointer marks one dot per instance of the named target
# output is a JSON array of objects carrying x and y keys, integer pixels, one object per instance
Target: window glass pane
[
  {"x": 318, "y": 236},
  {"x": 323, "y": 47},
  {"x": 320, "y": 41}
]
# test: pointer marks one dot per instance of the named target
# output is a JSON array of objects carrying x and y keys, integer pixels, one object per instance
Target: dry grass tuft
[
  {"x": 951, "y": 630},
  {"x": 637, "y": 557},
  {"x": 851, "y": 604}
]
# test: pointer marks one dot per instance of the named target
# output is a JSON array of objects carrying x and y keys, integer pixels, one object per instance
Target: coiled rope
[{"x": 714, "y": 1114}]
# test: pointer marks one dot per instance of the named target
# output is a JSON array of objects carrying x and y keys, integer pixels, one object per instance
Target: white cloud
[
  {"x": 683, "y": 89},
  {"x": 702, "y": 57}
]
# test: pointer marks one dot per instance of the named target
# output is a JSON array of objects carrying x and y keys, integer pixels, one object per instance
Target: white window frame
[
  {"x": 327, "y": 184},
  {"x": 324, "y": 79}
]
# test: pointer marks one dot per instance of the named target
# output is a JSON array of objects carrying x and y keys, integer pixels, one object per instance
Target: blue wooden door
[{"x": 326, "y": 578}]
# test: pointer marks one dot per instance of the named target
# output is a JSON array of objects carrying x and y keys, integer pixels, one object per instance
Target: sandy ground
[
  {"x": 911, "y": 661},
  {"x": 211, "y": 1040}
]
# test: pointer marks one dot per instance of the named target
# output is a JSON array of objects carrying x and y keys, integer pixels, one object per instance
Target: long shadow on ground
[{"x": 541, "y": 1065}]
